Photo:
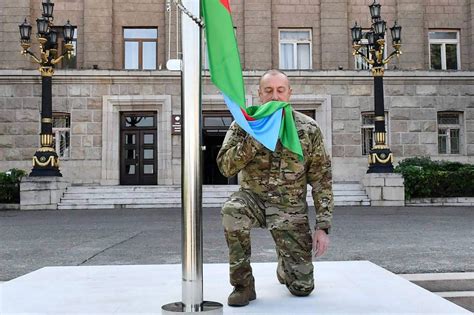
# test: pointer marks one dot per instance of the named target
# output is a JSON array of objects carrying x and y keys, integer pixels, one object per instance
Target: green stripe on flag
[
  {"x": 224, "y": 59},
  {"x": 288, "y": 133}
]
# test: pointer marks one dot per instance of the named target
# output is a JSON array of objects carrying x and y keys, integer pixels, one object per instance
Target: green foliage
[
  {"x": 10, "y": 185},
  {"x": 425, "y": 178}
]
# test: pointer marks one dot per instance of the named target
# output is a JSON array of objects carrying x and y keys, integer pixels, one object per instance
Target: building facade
[{"x": 116, "y": 108}]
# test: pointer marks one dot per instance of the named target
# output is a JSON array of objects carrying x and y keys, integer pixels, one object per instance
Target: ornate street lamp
[
  {"x": 380, "y": 156},
  {"x": 48, "y": 8},
  {"x": 45, "y": 160}
]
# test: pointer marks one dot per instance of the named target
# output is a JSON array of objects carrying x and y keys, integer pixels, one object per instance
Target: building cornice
[{"x": 123, "y": 76}]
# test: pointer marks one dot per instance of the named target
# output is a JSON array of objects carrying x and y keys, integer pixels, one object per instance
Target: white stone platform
[{"x": 353, "y": 287}]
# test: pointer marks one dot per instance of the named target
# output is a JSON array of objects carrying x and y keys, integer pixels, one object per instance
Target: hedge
[
  {"x": 10, "y": 185},
  {"x": 425, "y": 178}
]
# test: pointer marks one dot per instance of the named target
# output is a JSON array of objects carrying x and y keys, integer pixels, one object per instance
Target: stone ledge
[
  {"x": 9, "y": 206},
  {"x": 451, "y": 201},
  {"x": 387, "y": 203}
]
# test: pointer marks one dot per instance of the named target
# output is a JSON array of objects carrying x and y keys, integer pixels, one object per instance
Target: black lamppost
[
  {"x": 380, "y": 156},
  {"x": 45, "y": 160}
]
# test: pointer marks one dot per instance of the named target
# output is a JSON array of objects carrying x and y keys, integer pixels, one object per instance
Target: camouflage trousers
[{"x": 244, "y": 211}]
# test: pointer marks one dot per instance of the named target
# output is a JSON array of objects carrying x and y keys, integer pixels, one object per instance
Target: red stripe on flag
[
  {"x": 247, "y": 116},
  {"x": 226, "y": 4}
]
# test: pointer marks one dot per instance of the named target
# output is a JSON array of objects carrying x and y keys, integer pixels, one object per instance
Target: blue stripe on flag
[{"x": 265, "y": 130}]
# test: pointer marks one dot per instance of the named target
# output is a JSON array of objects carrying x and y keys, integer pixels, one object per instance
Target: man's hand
[{"x": 320, "y": 242}]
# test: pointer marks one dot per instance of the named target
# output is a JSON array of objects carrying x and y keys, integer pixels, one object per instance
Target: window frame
[
  {"x": 56, "y": 131},
  {"x": 365, "y": 42},
  {"x": 449, "y": 127},
  {"x": 140, "y": 47},
  {"x": 295, "y": 47},
  {"x": 372, "y": 127},
  {"x": 443, "y": 43}
]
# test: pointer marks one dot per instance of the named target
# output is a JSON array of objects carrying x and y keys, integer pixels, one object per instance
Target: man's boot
[{"x": 241, "y": 295}]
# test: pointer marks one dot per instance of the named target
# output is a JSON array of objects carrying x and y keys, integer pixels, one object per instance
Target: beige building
[{"x": 114, "y": 103}]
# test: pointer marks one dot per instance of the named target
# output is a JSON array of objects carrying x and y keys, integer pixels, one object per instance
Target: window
[
  {"x": 359, "y": 62},
  {"x": 368, "y": 131},
  {"x": 449, "y": 132},
  {"x": 205, "y": 56},
  {"x": 62, "y": 134},
  {"x": 295, "y": 49},
  {"x": 444, "y": 50},
  {"x": 217, "y": 124},
  {"x": 140, "y": 46},
  {"x": 71, "y": 62}
]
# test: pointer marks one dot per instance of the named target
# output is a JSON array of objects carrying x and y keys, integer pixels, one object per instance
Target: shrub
[
  {"x": 10, "y": 185},
  {"x": 425, "y": 178}
]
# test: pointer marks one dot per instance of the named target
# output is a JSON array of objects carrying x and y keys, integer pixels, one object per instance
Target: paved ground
[{"x": 401, "y": 239}]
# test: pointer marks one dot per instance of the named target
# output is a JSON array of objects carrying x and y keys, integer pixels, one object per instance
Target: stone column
[
  {"x": 414, "y": 37},
  {"x": 335, "y": 31},
  {"x": 98, "y": 34},
  {"x": 12, "y": 14},
  {"x": 257, "y": 35}
]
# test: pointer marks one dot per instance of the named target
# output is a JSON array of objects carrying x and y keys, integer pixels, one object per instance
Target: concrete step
[
  {"x": 117, "y": 206},
  {"x": 175, "y": 194},
  {"x": 97, "y": 188},
  {"x": 351, "y": 203},
  {"x": 168, "y": 204},
  {"x": 153, "y": 198},
  {"x": 111, "y": 197}
]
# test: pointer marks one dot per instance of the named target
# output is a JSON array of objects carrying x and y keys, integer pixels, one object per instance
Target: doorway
[
  {"x": 138, "y": 148},
  {"x": 215, "y": 126}
]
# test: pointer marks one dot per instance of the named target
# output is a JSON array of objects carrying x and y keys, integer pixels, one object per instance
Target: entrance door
[
  {"x": 215, "y": 126},
  {"x": 138, "y": 148}
]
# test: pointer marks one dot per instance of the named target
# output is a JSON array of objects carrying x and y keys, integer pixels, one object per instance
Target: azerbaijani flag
[{"x": 266, "y": 123}]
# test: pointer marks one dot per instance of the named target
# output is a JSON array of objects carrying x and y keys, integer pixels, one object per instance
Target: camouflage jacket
[{"x": 278, "y": 178}]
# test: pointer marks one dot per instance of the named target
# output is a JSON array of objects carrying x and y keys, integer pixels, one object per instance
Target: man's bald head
[
  {"x": 274, "y": 86},
  {"x": 273, "y": 72}
]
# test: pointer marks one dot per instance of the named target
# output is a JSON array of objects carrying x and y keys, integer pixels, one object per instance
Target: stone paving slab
[
  {"x": 352, "y": 287},
  {"x": 400, "y": 239}
]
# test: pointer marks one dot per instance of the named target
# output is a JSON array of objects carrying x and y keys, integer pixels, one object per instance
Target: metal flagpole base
[{"x": 207, "y": 307}]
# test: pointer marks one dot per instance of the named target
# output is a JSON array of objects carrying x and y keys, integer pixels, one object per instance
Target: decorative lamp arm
[
  {"x": 57, "y": 60},
  {"x": 397, "y": 53},
  {"x": 68, "y": 48},
  {"x": 357, "y": 52},
  {"x": 28, "y": 52}
]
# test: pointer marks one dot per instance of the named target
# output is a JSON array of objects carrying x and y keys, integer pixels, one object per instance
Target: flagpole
[{"x": 191, "y": 179}]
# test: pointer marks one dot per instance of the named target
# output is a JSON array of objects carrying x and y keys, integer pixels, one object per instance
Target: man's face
[{"x": 274, "y": 87}]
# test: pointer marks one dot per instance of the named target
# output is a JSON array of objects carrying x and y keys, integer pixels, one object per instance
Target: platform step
[
  {"x": 456, "y": 287},
  {"x": 440, "y": 282}
]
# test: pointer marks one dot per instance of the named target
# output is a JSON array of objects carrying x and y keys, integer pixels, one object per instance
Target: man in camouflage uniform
[{"x": 273, "y": 196}]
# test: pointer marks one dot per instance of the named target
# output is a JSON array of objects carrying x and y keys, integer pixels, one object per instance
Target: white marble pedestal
[{"x": 350, "y": 287}]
